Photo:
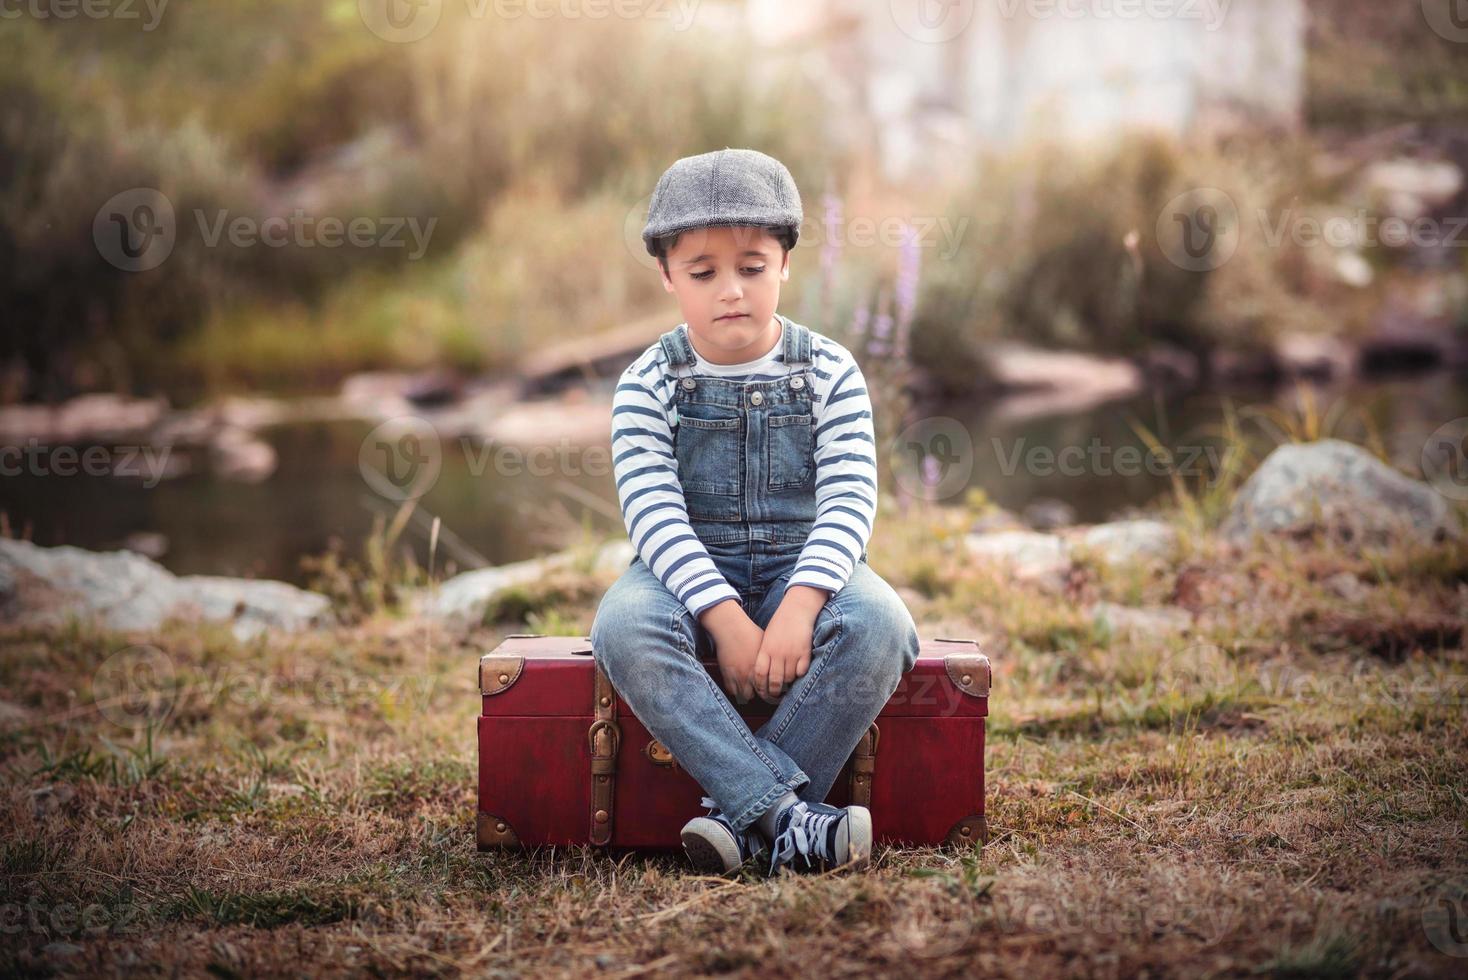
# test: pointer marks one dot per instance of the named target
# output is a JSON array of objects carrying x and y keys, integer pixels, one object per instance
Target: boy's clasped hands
[{"x": 764, "y": 662}]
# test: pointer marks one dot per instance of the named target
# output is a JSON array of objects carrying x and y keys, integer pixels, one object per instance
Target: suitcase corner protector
[
  {"x": 498, "y": 671},
  {"x": 972, "y": 829},
  {"x": 494, "y": 832},
  {"x": 971, "y": 673}
]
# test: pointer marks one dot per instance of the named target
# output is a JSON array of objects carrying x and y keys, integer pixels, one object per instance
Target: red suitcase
[{"x": 563, "y": 760}]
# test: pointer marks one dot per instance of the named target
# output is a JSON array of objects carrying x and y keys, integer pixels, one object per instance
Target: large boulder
[
  {"x": 1341, "y": 489},
  {"x": 125, "y": 591},
  {"x": 120, "y": 589}
]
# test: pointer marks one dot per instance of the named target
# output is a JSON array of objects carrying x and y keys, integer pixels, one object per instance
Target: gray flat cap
[{"x": 725, "y": 187}]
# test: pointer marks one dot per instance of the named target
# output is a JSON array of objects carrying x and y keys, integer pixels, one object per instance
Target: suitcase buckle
[{"x": 614, "y": 736}]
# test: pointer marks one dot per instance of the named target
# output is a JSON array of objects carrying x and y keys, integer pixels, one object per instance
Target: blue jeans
[{"x": 649, "y": 645}]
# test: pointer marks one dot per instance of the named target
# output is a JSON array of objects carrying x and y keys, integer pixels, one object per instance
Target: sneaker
[
  {"x": 822, "y": 835},
  {"x": 714, "y": 846}
]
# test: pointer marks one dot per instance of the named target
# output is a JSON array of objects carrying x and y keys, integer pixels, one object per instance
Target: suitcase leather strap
[
  {"x": 605, "y": 738},
  {"x": 863, "y": 765}
]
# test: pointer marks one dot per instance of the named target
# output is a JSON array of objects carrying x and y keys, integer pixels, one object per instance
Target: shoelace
[
  {"x": 805, "y": 835},
  {"x": 750, "y": 840}
]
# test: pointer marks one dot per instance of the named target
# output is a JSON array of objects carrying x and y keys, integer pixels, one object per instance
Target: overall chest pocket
[
  {"x": 790, "y": 449},
  {"x": 710, "y": 463}
]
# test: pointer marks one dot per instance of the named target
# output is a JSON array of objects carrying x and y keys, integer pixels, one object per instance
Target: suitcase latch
[{"x": 659, "y": 755}]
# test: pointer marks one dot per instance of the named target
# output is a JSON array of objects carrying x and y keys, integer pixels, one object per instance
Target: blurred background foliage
[{"x": 533, "y": 152}]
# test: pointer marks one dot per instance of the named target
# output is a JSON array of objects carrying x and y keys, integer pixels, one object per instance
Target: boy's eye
[{"x": 748, "y": 271}]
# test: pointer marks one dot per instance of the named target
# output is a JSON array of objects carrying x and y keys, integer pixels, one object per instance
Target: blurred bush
[
  {"x": 1373, "y": 64},
  {"x": 524, "y": 145},
  {"x": 532, "y": 148},
  {"x": 1060, "y": 249}
]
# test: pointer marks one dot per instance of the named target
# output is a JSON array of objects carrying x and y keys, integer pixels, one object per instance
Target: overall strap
[
  {"x": 797, "y": 344},
  {"x": 676, "y": 349}
]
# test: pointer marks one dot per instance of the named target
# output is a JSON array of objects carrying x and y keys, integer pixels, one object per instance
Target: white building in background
[{"x": 925, "y": 83}]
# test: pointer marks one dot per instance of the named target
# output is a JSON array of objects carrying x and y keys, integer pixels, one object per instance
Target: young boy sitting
[{"x": 745, "y": 463}]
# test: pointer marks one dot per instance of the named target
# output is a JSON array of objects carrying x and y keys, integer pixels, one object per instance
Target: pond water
[{"x": 494, "y": 510}]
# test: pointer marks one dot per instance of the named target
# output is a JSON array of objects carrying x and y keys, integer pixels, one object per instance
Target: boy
[{"x": 746, "y": 469}]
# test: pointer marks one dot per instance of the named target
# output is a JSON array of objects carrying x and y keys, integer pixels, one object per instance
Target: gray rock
[
  {"x": 1409, "y": 188},
  {"x": 126, "y": 591},
  {"x": 255, "y": 605},
  {"x": 1142, "y": 620},
  {"x": 94, "y": 418},
  {"x": 614, "y": 557},
  {"x": 1340, "y": 488},
  {"x": 149, "y": 544},
  {"x": 239, "y": 455},
  {"x": 1124, "y": 542},
  {"x": 1029, "y": 555},
  {"x": 1052, "y": 382},
  {"x": 996, "y": 519},
  {"x": 122, "y": 590},
  {"x": 463, "y": 600},
  {"x": 1347, "y": 586}
]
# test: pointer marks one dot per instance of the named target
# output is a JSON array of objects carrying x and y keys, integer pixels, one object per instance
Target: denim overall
[
  {"x": 746, "y": 461},
  {"x": 745, "y": 458}
]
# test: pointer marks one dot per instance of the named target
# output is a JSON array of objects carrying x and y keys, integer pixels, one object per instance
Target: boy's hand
[
  {"x": 737, "y": 641},
  {"x": 784, "y": 655}
]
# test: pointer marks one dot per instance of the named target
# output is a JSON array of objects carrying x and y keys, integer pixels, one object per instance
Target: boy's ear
[
  {"x": 667, "y": 283},
  {"x": 785, "y": 266}
]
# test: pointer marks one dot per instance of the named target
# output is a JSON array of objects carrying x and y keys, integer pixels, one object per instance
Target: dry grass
[{"x": 1269, "y": 794}]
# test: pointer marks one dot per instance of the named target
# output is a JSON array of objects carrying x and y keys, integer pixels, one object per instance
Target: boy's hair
[{"x": 663, "y": 244}]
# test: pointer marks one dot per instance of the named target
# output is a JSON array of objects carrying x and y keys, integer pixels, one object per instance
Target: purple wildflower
[
  {"x": 830, "y": 250},
  {"x": 859, "y": 318},
  {"x": 881, "y": 345},
  {"x": 909, "y": 263},
  {"x": 932, "y": 471},
  {"x": 831, "y": 245}
]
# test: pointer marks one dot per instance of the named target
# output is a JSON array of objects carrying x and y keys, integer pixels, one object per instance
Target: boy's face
[{"x": 724, "y": 270}]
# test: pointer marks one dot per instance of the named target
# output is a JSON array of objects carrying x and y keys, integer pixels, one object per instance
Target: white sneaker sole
[
  {"x": 709, "y": 846},
  {"x": 858, "y": 837}
]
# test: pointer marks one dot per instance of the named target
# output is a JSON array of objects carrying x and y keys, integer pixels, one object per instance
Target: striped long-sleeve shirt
[{"x": 651, "y": 496}]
